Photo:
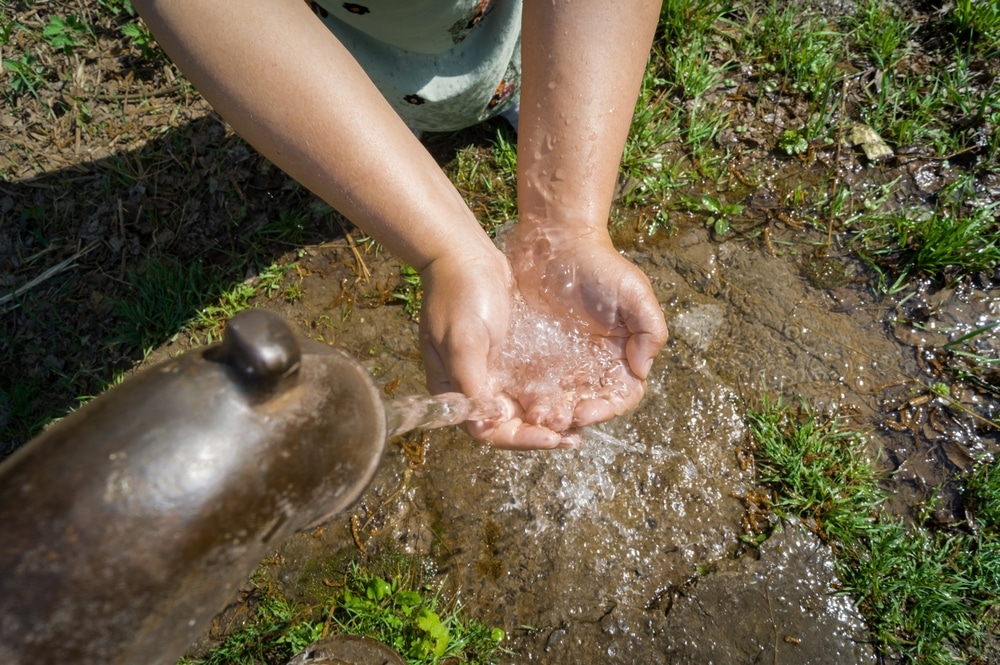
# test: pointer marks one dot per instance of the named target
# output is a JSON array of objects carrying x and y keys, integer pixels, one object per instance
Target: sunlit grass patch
[
  {"x": 946, "y": 243},
  {"x": 653, "y": 145},
  {"x": 390, "y": 598},
  {"x": 796, "y": 47},
  {"x": 978, "y": 22},
  {"x": 881, "y": 32},
  {"x": 929, "y": 595},
  {"x": 486, "y": 176},
  {"x": 680, "y": 19}
]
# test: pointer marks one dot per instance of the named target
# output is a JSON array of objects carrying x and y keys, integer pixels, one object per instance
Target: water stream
[{"x": 413, "y": 412}]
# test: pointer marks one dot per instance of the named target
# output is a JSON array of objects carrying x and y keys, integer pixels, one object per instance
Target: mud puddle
[{"x": 628, "y": 549}]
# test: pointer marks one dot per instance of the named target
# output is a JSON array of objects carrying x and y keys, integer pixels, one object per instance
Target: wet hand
[
  {"x": 581, "y": 277},
  {"x": 463, "y": 323}
]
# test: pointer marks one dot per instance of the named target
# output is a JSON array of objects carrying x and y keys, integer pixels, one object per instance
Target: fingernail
[{"x": 646, "y": 368}]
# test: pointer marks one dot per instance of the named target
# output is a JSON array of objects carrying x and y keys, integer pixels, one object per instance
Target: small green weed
[
  {"x": 143, "y": 39},
  {"x": 25, "y": 76},
  {"x": 412, "y": 619},
  {"x": 66, "y": 34},
  {"x": 117, "y": 7},
  {"x": 718, "y": 214},
  {"x": 793, "y": 142},
  {"x": 930, "y": 596},
  {"x": 409, "y": 292},
  {"x": 7, "y": 27}
]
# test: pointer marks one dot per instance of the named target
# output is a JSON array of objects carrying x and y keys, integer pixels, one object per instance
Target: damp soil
[{"x": 629, "y": 548}]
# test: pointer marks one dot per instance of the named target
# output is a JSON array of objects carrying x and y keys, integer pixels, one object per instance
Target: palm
[{"x": 610, "y": 300}]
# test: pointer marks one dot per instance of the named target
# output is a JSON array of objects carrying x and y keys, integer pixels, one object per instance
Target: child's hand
[
  {"x": 463, "y": 323},
  {"x": 583, "y": 276}
]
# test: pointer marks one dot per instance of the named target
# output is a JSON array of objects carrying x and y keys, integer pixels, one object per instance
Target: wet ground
[
  {"x": 628, "y": 550},
  {"x": 625, "y": 551}
]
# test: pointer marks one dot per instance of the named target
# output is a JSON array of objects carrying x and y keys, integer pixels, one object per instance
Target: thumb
[{"x": 649, "y": 334}]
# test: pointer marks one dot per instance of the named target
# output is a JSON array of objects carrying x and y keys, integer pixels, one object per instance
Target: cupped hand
[
  {"x": 580, "y": 277},
  {"x": 463, "y": 323}
]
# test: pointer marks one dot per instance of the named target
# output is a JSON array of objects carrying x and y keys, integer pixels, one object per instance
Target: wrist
[{"x": 474, "y": 258}]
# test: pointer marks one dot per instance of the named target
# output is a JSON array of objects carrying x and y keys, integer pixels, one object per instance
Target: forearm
[
  {"x": 583, "y": 63},
  {"x": 284, "y": 82}
]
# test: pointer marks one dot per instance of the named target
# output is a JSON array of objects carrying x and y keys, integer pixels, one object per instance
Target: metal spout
[{"x": 128, "y": 525}]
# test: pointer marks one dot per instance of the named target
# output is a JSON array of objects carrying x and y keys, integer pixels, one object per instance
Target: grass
[
  {"x": 880, "y": 31},
  {"x": 958, "y": 237},
  {"x": 389, "y": 598},
  {"x": 976, "y": 23},
  {"x": 486, "y": 176},
  {"x": 929, "y": 593},
  {"x": 278, "y": 630}
]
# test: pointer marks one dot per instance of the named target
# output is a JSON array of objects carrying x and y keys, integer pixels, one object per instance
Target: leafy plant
[
  {"x": 25, "y": 75},
  {"x": 66, "y": 33},
  {"x": 719, "y": 214},
  {"x": 411, "y": 620},
  {"x": 142, "y": 38},
  {"x": 793, "y": 143}
]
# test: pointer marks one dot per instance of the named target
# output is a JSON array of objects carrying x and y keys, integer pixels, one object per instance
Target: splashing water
[
  {"x": 430, "y": 412},
  {"x": 549, "y": 360},
  {"x": 546, "y": 362}
]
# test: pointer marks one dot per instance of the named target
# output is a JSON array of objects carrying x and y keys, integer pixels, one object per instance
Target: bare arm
[
  {"x": 583, "y": 64},
  {"x": 275, "y": 72},
  {"x": 288, "y": 86}
]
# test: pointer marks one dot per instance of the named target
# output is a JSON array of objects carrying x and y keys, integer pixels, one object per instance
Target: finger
[
  {"x": 593, "y": 410},
  {"x": 649, "y": 334},
  {"x": 571, "y": 440},
  {"x": 556, "y": 415},
  {"x": 606, "y": 406},
  {"x": 515, "y": 434},
  {"x": 436, "y": 375},
  {"x": 641, "y": 349}
]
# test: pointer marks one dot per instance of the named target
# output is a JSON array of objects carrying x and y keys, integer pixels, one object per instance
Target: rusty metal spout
[{"x": 127, "y": 526}]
